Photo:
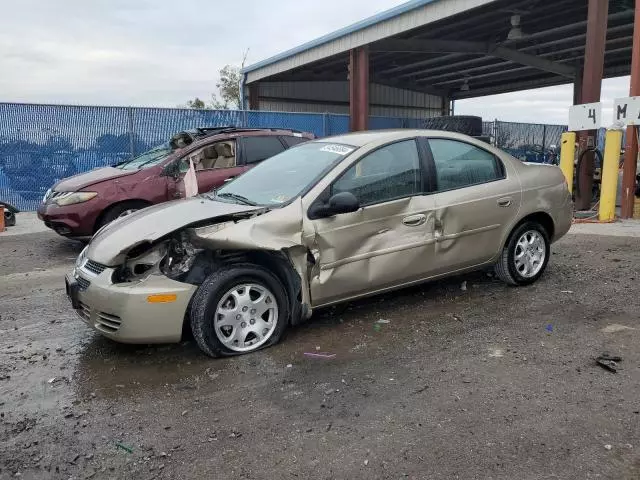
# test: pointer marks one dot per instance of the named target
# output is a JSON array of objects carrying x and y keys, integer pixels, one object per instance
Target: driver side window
[
  {"x": 215, "y": 155},
  {"x": 388, "y": 173}
]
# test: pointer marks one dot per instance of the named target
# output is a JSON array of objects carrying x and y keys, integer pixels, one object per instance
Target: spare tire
[{"x": 467, "y": 124}]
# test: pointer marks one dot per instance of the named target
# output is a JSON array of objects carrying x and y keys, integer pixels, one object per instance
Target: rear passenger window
[
  {"x": 293, "y": 141},
  {"x": 257, "y": 149},
  {"x": 460, "y": 164}
]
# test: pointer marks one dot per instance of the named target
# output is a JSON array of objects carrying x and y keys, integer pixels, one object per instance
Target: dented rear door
[{"x": 477, "y": 196}]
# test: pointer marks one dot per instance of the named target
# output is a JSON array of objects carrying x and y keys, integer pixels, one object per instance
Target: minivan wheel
[
  {"x": 525, "y": 256},
  {"x": 120, "y": 210},
  {"x": 239, "y": 309}
]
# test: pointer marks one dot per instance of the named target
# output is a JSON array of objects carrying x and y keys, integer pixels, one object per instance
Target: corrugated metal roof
[
  {"x": 406, "y": 17},
  {"x": 367, "y": 22}
]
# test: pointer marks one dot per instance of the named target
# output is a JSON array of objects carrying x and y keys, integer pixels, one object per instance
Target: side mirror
[
  {"x": 172, "y": 170},
  {"x": 343, "y": 202}
]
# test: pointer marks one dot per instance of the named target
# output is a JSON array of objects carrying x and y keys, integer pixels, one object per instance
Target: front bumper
[
  {"x": 122, "y": 312},
  {"x": 69, "y": 221}
]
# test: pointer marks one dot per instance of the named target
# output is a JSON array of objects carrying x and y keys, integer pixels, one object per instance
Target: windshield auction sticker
[{"x": 335, "y": 148}]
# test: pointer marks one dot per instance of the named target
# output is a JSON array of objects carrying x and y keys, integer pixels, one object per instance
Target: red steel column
[
  {"x": 631, "y": 147},
  {"x": 359, "y": 89},
  {"x": 591, "y": 83}
]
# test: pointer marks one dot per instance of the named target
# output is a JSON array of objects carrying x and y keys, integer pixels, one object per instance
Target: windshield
[
  {"x": 147, "y": 159},
  {"x": 283, "y": 177}
]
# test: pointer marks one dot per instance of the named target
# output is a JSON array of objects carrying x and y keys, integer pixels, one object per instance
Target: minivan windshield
[
  {"x": 147, "y": 159},
  {"x": 283, "y": 177}
]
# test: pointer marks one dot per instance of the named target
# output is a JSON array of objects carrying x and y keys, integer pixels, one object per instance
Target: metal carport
[{"x": 421, "y": 55}]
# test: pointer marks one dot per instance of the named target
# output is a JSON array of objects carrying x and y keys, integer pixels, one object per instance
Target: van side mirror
[
  {"x": 343, "y": 202},
  {"x": 172, "y": 170}
]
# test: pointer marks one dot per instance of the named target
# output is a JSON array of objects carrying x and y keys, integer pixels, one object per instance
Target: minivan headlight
[{"x": 70, "y": 198}]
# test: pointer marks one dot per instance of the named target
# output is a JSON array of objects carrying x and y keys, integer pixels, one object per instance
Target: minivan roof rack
[{"x": 207, "y": 131}]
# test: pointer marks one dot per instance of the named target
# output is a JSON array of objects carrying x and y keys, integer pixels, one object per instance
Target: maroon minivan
[{"x": 78, "y": 206}]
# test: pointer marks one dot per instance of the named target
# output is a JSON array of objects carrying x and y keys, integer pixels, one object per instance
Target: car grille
[
  {"x": 107, "y": 322},
  {"x": 84, "y": 311},
  {"x": 83, "y": 283},
  {"x": 94, "y": 267}
]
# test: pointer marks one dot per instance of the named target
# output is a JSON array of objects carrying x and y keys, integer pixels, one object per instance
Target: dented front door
[{"x": 388, "y": 242}]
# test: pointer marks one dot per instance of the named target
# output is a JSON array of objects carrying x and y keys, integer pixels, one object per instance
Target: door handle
[
  {"x": 504, "y": 202},
  {"x": 414, "y": 220}
]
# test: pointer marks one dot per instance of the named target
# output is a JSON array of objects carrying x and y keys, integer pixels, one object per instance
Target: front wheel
[
  {"x": 239, "y": 309},
  {"x": 525, "y": 256}
]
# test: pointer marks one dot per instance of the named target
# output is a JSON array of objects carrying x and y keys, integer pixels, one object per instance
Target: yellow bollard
[
  {"x": 567, "y": 156},
  {"x": 609, "y": 182}
]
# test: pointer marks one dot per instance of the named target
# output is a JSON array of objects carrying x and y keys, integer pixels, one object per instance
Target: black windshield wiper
[{"x": 235, "y": 196}]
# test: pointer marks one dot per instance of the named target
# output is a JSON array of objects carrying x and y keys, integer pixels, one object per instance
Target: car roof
[{"x": 361, "y": 139}]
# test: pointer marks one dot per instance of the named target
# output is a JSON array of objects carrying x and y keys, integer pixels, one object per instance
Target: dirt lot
[{"x": 489, "y": 382}]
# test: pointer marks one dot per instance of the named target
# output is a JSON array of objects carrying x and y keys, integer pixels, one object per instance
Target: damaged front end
[{"x": 268, "y": 238}]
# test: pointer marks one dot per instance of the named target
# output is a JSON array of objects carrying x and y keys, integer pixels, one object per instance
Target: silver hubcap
[
  {"x": 246, "y": 317},
  {"x": 531, "y": 251},
  {"x": 128, "y": 212}
]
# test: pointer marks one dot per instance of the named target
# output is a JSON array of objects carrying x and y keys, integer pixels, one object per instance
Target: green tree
[
  {"x": 228, "y": 96},
  {"x": 196, "y": 104}
]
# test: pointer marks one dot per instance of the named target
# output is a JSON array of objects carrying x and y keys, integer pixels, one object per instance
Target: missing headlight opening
[{"x": 181, "y": 254}]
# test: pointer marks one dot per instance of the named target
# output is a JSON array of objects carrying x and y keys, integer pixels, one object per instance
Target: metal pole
[
  {"x": 359, "y": 89},
  {"x": 631, "y": 147},
  {"x": 609, "y": 185},
  {"x": 591, "y": 85},
  {"x": 132, "y": 144},
  {"x": 567, "y": 155}
]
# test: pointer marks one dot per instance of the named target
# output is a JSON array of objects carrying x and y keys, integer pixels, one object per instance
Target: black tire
[
  {"x": 505, "y": 267},
  {"x": 466, "y": 124},
  {"x": 205, "y": 302},
  {"x": 9, "y": 219},
  {"x": 115, "y": 211}
]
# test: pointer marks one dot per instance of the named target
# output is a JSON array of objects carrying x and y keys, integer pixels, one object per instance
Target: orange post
[{"x": 1, "y": 218}]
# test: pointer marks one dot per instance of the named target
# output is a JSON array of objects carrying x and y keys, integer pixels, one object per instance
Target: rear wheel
[
  {"x": 239, "y": 309},
  {"x": 525, "y": 256}
]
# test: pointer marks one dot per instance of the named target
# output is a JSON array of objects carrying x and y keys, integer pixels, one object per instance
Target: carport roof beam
[{"x": 480, "y": 48}]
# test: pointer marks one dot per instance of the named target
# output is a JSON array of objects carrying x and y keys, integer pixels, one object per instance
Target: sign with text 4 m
[
  {"x": 587, "y": 116},
  {"x": 627, "y": 110}
]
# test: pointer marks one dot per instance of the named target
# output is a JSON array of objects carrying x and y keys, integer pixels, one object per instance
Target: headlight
[
  {"x": 69, "y": 198},
  {"x": 81, "y": 258},
  {"x": 46, "y": 196}
]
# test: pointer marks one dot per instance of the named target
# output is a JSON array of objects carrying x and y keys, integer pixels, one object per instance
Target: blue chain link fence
[
  {"x": 40, "y": 144},
  {"x": 530, "y": 142}
]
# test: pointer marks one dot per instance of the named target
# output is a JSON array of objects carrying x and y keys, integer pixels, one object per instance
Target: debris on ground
[
  {"x": 496, "y": 352},
  {"x": 377, "y": 327},
  {"x": 383, "y": 321},
  {"x": 608, "y": 447},
  {"x": 549, "y": 328},
  {"x": 566, "y": 291},
  {"x": 615, "y": 327},
  {"x": 122, "y": 446},
  {"x": 319, "y": 355},
  {"x": 609, "y": 362}
]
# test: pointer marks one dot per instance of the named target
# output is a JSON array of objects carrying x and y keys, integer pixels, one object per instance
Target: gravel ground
[{"x": 485, "y": 382}]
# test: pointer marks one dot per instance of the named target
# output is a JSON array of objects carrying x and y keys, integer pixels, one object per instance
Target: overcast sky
[{"x": 163, "y": 53}]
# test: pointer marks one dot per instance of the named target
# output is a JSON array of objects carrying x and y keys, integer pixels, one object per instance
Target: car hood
[
  {"x": 83, "y": 180},
  {"x": 110, "y": 244}
]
